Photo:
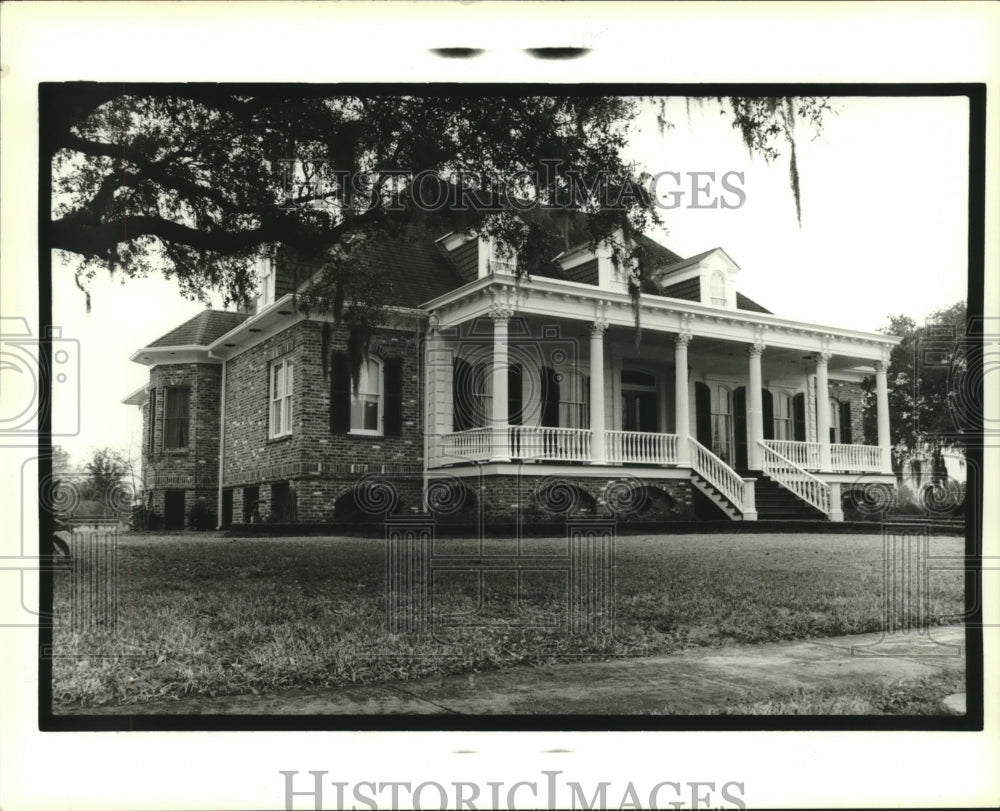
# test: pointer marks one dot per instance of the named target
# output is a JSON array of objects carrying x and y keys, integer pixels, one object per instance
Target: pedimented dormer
[{"x": 709, "y": 278}]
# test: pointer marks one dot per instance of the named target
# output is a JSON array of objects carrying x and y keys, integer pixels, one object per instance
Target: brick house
[{"x": 499, "y": 398}]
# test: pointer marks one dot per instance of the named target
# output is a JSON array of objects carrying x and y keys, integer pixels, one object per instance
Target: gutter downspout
[{"x": 222, "y": 441}]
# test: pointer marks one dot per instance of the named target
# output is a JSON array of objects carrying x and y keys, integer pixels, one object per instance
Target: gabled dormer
[{"x": 708, "y": 278}]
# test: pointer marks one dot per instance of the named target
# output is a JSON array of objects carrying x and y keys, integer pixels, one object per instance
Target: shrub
[
  {"x": 145, "y": 518},
  {"x": 200, "y": 517}
]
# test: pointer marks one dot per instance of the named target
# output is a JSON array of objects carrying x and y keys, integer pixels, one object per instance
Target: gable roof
[{"x": 202, "y": 329}]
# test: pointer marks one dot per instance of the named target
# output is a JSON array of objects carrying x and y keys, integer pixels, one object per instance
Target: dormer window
[
  {"x": 499, "y": 261},
  {"x": 265, "y": 282},
  {"x": 718, "y": 289}
]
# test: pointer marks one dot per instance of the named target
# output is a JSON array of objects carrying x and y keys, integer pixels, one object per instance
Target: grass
[
  {"x": 921, "y": 697},
  {"x": 204, "y": 615}
]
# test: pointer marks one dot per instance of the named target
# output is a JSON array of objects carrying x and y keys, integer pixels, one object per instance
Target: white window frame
[
  {"x": 574, "y": 398},
  {"x": 835, "y": 435},
  {"x": 723, "y": 422},
  {"x": 281, "y": 398},
  {"x": 717, "y": 289},
  {"x": 265, "y": 280},
  {"x": 363, "y": 390},
  {"x": 784, "y": 415}
]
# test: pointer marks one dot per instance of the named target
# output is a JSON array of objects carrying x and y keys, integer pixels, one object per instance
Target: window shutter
[
  {"x": 393, "y": 418},
  {"x": 550, "y": 398},
  {"x": 340, "y": 393},
  {"x": 767, "y": 399},
  {"x": 799, "y": 410},
  {"x": 845, "y": 423},
  {"x": 514, "y": 416},
  {"x": 703, "y": 413},
  {"x": 461, "y": 389}
]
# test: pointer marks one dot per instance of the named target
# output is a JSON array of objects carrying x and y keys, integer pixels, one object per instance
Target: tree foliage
[
  {"x": 104, "y": 472},
  {"x": 196, "y": 181},
  {"x": 927, "y": 386}
]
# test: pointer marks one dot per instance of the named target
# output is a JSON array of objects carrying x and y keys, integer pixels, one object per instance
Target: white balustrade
[
  {"x": 638, "y": 447},
  {"x": 795, "y": 479},
  {"x": 557, "y": 444},
  {"x": 718, "y": 474},
  {"x": 856, "y": 458},
  {"x": 803, "y": 454}
]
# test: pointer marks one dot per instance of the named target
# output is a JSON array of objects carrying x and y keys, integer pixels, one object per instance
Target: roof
[
  {"x": 201, "y": 330},
  {"x": 744, "y": 303},
  {"x": 416, "y": 265}
]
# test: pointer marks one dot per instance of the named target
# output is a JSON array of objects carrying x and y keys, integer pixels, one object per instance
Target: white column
[
  {"x": 823, "y": 409},
  {"x": 598, "y": 453},
  {"x": 682, "y": 416},
  {"x": 755, "y": 409},
  {"x": 882, "y": 403},
  {"x": 498, "y": 422}
]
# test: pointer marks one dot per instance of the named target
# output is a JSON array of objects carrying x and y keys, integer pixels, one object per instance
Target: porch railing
[
  {"x": 856, "y": 458},
  {"x": 803, "y": 454},
  {"x": 721, "y": 476},
  {"x": 637, "y": 447},
  {"x": 558, "y": 444},
  {"x": 475, "y": 444},
  {"x": 795, "y": 479}
]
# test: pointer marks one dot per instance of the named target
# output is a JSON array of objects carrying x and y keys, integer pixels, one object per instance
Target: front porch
[{"x": 529, "y": 373}]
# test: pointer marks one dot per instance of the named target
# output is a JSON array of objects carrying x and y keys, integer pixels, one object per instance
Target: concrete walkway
[{"x": 692, "y": 682}]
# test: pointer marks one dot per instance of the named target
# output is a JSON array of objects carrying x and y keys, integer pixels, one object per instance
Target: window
[
  {"x": 265, "y": 282},
  {"x": 574, "y": 400},
  {"x": 783, "y": 416},
  {"x": 176, "y": 423},
  {"x": 718, "y": 289},
  {"x": 722, "y": 423},
  {"x": 282, "y": 372},
  {"x": 639, "y": 402},
  {"x": 834, "y": 421},
  {"x": 366, "y": 401}
]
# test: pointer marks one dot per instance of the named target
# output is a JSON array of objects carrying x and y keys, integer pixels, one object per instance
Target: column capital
[
  {"x": 499, "y": 313},
  {"x": 682, "y": 339},
  {"x": 598, "y": 328},
  {"x": 881, "y": 366},
  {"x": 755, "y": 350},
  {"x": 822, "y": 358}
]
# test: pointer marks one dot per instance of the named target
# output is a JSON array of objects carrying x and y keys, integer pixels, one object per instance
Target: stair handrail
[
  {"x": 807, "y": 487},
  {"x": 718, "y": 474}
]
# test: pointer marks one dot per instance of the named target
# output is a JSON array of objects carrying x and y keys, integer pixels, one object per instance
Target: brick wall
[
  {"x": 851, "y": 393},
  {"x": 529, "y": 496},
  {"x": 320, "y": 465},
  {"x": 194, "y": 468}
]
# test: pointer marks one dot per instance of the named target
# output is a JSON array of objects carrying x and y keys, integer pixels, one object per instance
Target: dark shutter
[
  {"x": 767, "y": 399},
  {"x": 799, "y": 411},
  {"x": 703, "y": 414},
  {"x": 393, "y": 421},
  {"x": 152, "y": 421},
  {"x": 845, "y": 423},
  {"x": 461, "y": 389},
  {"x": 514, "y": 416},
  {"x": 340, "y": 393},
  {"x": 550, "y": 397},
  {"x": 740, "y": 429}
]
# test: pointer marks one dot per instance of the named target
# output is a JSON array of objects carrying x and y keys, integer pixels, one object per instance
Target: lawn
[{"x": 206, "y": 615}]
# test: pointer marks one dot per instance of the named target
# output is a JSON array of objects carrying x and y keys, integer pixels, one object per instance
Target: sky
[{"x": 883, "y": 232}]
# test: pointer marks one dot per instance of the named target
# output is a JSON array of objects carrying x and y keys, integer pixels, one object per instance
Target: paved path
[{"x": 692, "y": 682}]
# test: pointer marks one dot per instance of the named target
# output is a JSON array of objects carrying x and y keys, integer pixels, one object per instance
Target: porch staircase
[
  {"x": 775, "y": 503},
  {"x": 713, "y": 494}
]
